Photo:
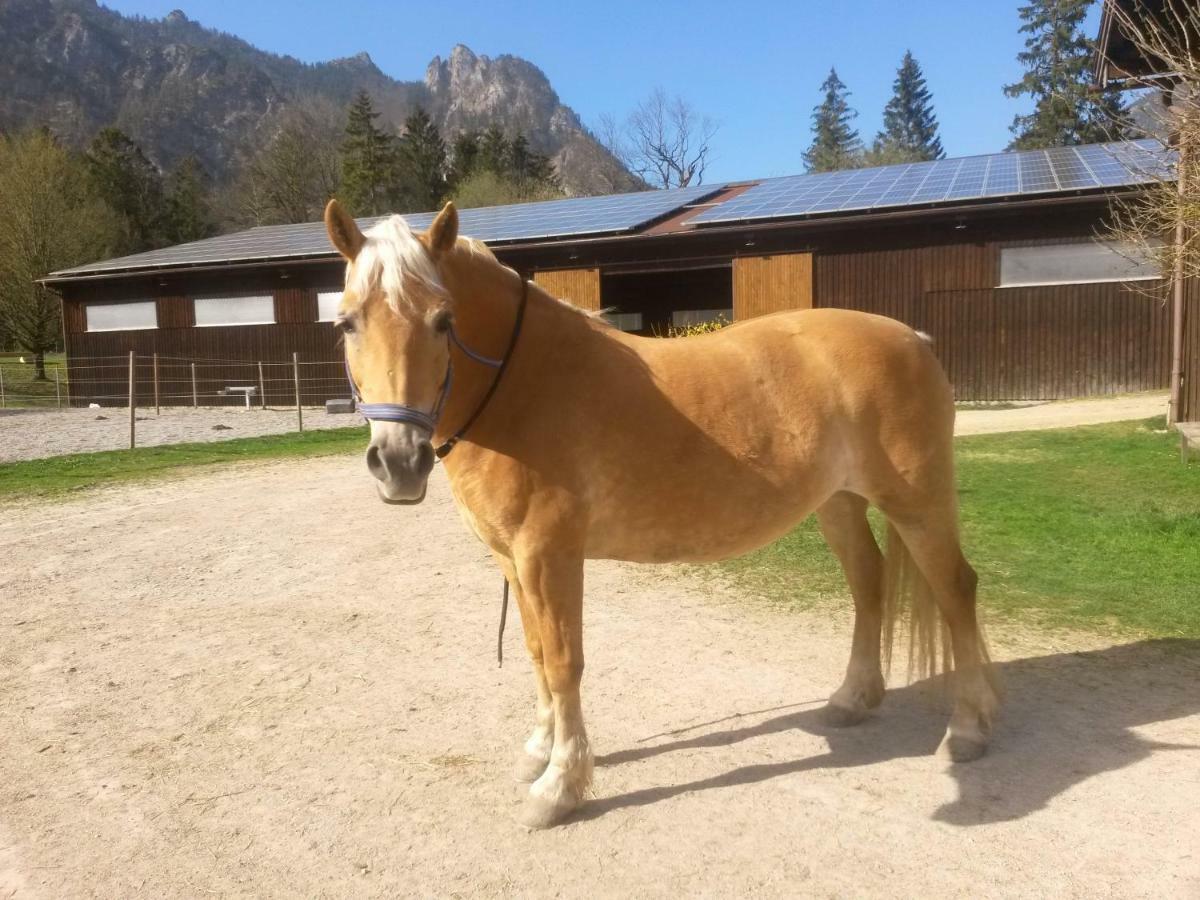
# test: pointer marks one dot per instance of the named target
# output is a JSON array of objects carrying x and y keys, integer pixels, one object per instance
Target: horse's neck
[{"x": 557, "y": 343}]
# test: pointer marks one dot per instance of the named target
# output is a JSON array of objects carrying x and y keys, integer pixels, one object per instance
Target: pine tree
[
  {"x": 494, "y": 150},
  {"x": 1058, "y": 58},
  {"x": 529, "y": 168},
  {"x": 464, "y": 155},
  {"x": 836, "y": 145},
  {"x": 368, "y": 161},
  {"x": 132, "y": 187},
  {"x": 423, "y": 163},
  {"x": 188, "y": 212},
  {"x": 910, "y": 130}
]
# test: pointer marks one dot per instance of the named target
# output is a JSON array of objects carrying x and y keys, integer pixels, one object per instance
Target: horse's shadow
[{"x": 1068, "y": 717}]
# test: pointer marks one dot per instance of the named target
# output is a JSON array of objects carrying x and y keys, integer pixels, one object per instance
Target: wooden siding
[
  {"x": 767, "y": 284},
  {"x": 1189, "y": 398},
  {"x": 579, "y": 286},
  {"x": 1035, "y": 343}
]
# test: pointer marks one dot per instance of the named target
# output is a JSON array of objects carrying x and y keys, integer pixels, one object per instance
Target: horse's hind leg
[
  {"x": 931, "y": 539},
  {"x": 534, "y": 756},
  {"x": 843, "y": 519}
]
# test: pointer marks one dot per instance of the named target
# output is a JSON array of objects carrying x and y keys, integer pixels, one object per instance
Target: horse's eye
[
  {"x": 441, "y": 321},
  {"x": 344, "y": 325}
]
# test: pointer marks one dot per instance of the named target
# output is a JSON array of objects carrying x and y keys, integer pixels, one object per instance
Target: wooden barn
[{"x": 1000, "y": 258}]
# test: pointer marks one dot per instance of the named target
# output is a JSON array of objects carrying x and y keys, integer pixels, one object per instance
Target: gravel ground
[
  {"x": 36, "y": 433},
  {"x": 263, "y": 682},
  {"x": 32, "y": 434}
]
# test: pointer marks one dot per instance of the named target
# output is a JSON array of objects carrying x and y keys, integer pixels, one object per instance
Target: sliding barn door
[
  {"x": 579, "y": 286},
  {"x": 767, "y": 284}
]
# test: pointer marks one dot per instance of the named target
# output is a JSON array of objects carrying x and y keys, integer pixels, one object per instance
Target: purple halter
[{"x": 398, "y": 412}]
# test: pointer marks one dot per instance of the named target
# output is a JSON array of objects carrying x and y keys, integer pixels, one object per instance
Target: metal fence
[{"x": 137, "y": 381}]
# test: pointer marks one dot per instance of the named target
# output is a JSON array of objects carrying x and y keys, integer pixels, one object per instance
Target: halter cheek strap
[{"x": 397, "y": 412}]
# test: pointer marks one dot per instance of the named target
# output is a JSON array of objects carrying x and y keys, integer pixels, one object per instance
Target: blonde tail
[{"x": 907, "y": 595}]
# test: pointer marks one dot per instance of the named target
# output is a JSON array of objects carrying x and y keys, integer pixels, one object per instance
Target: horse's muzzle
[{"x": 400, "y": 457}]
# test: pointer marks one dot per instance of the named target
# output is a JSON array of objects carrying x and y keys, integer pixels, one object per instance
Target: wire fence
[{"x": 155, "y": 381}]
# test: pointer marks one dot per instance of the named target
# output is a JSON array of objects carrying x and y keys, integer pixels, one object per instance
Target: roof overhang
[
  {"x": 945, "y": 211},
  {"x": 1119, "y": 62}
]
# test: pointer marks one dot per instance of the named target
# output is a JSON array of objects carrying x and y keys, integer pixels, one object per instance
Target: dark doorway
[{"x": 650, "y": 302}]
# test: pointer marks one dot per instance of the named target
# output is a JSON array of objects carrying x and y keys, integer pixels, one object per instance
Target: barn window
[
  {"x": 625, "y": 321},
  {"x": 685, "y": 318},
  {"x": 235, "y": 311},
  {"x": 327, "y": 305},
  {"x": 122, "y": 316},
  {"x": 1086, "y": 262}
]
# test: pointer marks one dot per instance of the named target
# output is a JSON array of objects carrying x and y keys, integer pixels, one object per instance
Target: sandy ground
[
  {"x": 263, "y": 682},
  {"x": 1062, "y": 414},
  {"x": 32, "y": 434},
  {"x": 36, "y": 433}
]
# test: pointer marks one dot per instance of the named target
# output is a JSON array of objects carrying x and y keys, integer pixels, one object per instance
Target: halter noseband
[{"x": 398, "y": 412}]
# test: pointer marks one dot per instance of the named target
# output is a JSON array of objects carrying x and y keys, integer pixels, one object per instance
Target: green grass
[
  {"x": 21, "y": 389},
  {"x": 1095, "y": 528},
  {"x": 60, "y": 476}
]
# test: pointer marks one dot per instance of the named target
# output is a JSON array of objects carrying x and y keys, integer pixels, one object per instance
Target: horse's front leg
[
  {"x": 534, "y": 755},
  {"x": 552, "y": 590}
]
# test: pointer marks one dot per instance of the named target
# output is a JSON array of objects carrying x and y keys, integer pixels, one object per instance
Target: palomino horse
[{"x": 596, "y": 444}]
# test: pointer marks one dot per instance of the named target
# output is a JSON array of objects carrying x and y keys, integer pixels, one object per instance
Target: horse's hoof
[
  {"x": 959, "y": 748},
  {"x": 843, "y": 716},
  {"x": 529, "y": 768},
  {"x": 538, "y": 812}
]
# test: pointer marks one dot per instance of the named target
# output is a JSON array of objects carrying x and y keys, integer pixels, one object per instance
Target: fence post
[
  {"x": 1, "y": 387},
  {"x": 57, "y": 390},
  {"x": 195, "y": 396},
  {"x": 262, "y": 387},
  {"x": 156, "y": 384},
  {"x": 296, "y": 377},
  {"x": 132, "y": 397}
]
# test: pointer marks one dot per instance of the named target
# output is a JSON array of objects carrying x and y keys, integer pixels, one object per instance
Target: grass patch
[
  {"x": 1095, "y": 527},
  {"x": 58, "y": 476},
  {"x": 21, "y": 389}
]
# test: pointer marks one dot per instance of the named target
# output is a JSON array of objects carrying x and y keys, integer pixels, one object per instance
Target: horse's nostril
[
  {"x": 375, "y": 463},
  {"x": 424, "y": 458}
]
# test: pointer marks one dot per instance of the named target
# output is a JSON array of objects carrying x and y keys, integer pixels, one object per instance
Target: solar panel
[
  {"x": 1055, "y": 170},
  {"x": 576, "y": 216}
]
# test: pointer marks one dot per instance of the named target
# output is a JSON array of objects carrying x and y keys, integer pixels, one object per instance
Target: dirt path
[
  {"x": 265, "y": 683},
  {"x": 1063, "y": 414}
]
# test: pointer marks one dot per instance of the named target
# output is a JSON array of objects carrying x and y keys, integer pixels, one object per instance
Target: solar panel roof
[
  {"x": 1014, "y": 174},
  {"x": 576, "y": 216}
]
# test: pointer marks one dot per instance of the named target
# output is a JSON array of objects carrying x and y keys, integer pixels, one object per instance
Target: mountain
[{"x": 179, "y": 88}]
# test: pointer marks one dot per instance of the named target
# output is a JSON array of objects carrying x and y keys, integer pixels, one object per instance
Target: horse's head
[{"x": 394, "y": 317}]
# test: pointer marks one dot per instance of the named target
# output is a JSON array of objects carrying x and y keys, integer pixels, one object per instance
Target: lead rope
[{"x": 503, "y": 619}]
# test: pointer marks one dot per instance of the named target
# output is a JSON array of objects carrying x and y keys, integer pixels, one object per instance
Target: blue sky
[{"x": 756, "y": 68}]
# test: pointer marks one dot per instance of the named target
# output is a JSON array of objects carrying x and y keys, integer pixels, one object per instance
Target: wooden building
[
  {"x": 997, "y": 257},
  {"x": 1124, "y": 62}
]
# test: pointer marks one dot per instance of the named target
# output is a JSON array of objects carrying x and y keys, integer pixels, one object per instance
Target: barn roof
[{"x": 961, "y": 181}]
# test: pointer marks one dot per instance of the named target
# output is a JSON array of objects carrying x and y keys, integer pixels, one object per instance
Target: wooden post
[
  {"x": 296, "y": 377},
  {"x": 132, "y": 399},
  {"x": 195, "y": 396},
  {"x": 1, "y": 387},
  {"x": 262, "y": 387},
  {"x": 57, "y": 390},
  {"x": 156, "y": 384}
]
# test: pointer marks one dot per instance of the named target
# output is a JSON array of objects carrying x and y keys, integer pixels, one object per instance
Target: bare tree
[
  {"x": 664, "y": 141},
  {"x": 1162, "y": 222},
  {"x": 294, "y": 175}
]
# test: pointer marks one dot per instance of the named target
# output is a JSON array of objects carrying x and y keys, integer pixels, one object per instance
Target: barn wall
[
  {"x": 767, "y": 284},
  {"x": 1035, "y": 343},
  {"x": 1189, "y": 400},
  {"x": 579, "y": 286}
]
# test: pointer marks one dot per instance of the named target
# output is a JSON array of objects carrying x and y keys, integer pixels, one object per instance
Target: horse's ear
[
  {"x": 444, "y": 230},
  {"x": 343, "y": 230}
]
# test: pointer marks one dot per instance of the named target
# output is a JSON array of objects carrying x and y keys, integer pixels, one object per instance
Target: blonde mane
[{"x": 394, "y": 259}]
